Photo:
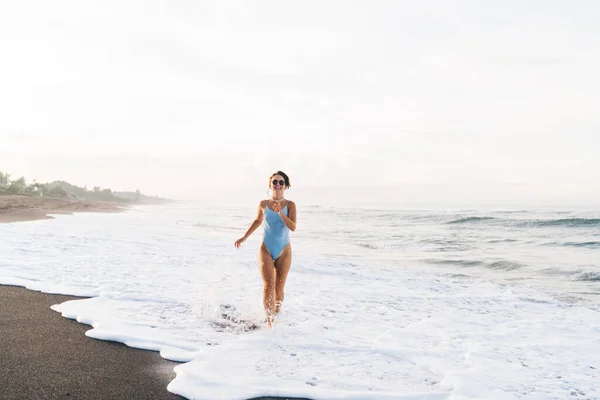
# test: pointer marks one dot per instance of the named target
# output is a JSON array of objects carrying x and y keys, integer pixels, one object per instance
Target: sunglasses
[{"x": 275, "y": 181}]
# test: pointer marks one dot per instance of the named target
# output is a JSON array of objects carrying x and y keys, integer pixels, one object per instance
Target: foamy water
[{"x": 380, "y": 304}]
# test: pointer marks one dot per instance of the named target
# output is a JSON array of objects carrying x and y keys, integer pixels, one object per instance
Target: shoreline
[
  {"x": 21, "y": 208},
  {"x": 48, "y": 356}
]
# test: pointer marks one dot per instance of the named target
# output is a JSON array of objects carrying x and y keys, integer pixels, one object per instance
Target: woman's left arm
[{"x": 290, "y": 219}]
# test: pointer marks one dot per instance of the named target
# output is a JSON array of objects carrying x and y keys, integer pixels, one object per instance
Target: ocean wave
[
  {"x": 589, "y": 277},
  {"x": 462, "y": 263},
  {"x": 591, "y": 245},
  {"x": 529, "y": 223},
  {"x": 467, "y": 220},
  {"x": 441, "y": 245},
  {"x": 368, "y": 246},
  {"x": 502, "y": 241},
  {"x": 559, "y": 272},
  {"x": 505, "y": 265},
  {"x": 536, "y": 301},
  {"x": 568, "y": 222}
]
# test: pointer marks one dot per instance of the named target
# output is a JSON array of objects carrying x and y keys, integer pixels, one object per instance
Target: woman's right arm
[{"x": 255, "y": 224}]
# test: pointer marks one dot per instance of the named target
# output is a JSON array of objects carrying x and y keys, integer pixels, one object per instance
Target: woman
[{"x": 275, "y": 254}]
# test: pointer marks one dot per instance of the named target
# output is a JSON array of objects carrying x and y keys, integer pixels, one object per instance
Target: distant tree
[
  {"x": 57, "y": 191},
  {"x": 4, "y": 180},
  {"x": 31, "y": 188},
  {"x": 65, "y": 189},
  {"x": 18, "y": 186},
  {"x": 72, "y": 190},
  {"x": 35, "y": 187}
]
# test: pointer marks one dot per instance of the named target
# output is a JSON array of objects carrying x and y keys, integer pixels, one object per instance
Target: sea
[{"x": 380, "y": 302}]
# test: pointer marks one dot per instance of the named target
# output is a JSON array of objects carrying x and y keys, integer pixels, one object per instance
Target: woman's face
[{"x": 277, "y": 183}]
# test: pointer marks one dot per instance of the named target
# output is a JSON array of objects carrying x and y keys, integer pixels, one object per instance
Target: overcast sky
[{"x": 450, "y": 99}]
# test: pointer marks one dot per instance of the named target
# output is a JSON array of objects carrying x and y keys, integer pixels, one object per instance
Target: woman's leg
[
  {"x": 267, "y": 272},
  {"x": 282, "y": 267}
]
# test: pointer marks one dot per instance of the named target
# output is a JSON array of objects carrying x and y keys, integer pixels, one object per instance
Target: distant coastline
[{"x": 24, "y": 201}]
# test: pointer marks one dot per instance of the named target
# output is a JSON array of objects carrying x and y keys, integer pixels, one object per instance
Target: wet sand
[{"x": 46, "y": 356}]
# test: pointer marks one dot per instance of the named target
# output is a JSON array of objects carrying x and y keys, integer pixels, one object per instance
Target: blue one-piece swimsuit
[{"x": 276, "y": 234}]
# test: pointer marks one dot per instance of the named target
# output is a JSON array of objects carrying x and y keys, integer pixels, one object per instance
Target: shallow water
[{"x": 380, "y": 303}]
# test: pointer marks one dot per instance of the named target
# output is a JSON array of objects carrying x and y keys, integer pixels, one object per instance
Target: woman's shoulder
[{"x": 291, "y": 203}]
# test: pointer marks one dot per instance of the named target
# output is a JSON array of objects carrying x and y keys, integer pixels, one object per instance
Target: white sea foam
[{"x": 355, "y": 325}]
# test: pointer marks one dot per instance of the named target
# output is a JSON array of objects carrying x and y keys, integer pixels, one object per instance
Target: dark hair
[{"x": 285, "y": 178}]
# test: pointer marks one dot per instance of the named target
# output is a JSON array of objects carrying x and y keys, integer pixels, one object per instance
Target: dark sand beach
[{"x": 46, "y": 356}]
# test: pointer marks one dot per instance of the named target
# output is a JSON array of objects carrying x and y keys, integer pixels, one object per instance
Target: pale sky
[{"x": 457, "y": 100}]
